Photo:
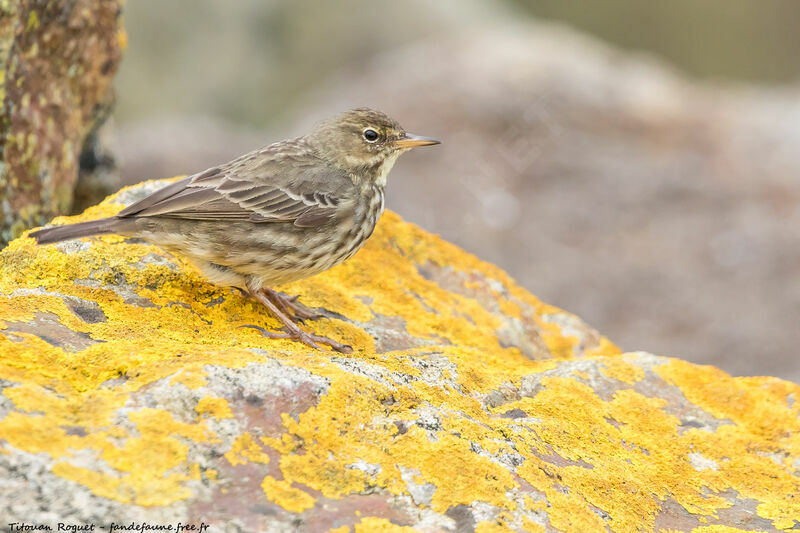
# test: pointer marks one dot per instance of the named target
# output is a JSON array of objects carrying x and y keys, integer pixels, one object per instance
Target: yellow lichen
[
  {"x": 216, "y": 407},
  {"x": 603, "y": 347},
  {"x": 618, "y": 368},
  {"x": 152, "y": 468},
  {"x": 244, "y": 450},
  {"x": 721, "y": 529},
  {"x": 192, "y": 378},
  {"x": 560, "y": 346},
  {"x": 529, "y": 526},
  {"x": 33, "y": 21},
  {"x": 122, "y": 38},
  {"x": 381, "y": 525},
  {"x": 290, "y": 498},
  {"x": 492, "y": 527}
]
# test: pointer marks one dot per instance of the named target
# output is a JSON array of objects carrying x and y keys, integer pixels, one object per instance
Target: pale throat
[
  {"x": 384, "y": 169},
  {"x": 380, "y": 164}
]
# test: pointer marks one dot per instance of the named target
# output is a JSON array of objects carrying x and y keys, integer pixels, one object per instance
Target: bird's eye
[{"x": 370, "y": 135}]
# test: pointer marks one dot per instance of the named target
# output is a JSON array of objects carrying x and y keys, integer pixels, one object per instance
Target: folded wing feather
[{"x": 268, "y": 193}]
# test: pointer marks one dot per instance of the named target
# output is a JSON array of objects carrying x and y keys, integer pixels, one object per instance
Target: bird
[{"x": 275, "y": 215}]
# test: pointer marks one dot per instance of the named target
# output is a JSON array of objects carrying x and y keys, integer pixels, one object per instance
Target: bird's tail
[{"x": 74, "y": 231}]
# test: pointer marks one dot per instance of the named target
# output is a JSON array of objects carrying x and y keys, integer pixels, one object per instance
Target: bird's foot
[
  {"x": 309, "y": 339},
  {"x": 290, "y": 306},
  {"x": 279, "y": 304}
]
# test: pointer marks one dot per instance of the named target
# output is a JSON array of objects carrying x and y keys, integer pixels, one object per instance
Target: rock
[{"x": 130, "y": 394}]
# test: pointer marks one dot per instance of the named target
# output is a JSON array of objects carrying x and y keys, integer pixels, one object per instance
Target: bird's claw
[
  {"x": 308, "y": 339},
  {"x": 282, "y": 307},
  {"x": 298, "y": 310}
]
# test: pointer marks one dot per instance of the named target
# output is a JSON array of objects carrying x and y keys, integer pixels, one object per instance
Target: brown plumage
[{"x": 285, "y": 212}]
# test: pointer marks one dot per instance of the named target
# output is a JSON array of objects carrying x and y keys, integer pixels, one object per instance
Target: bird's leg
[
  {"x": 292, "y": 331},
  {"x": 290, "y": 306},
  {"x": 281, "y": 304}
]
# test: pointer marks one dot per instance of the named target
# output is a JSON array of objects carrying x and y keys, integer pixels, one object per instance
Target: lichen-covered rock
[{"x": 130, "y": 393}]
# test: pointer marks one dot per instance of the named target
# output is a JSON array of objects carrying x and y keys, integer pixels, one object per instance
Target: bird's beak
[{"x": 410, "y": 141}]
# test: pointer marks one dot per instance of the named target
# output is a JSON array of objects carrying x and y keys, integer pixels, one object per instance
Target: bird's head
[{"x": 364, "y": 142}]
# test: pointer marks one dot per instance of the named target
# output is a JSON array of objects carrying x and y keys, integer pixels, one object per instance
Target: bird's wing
[{"x": 284, "y": 182}]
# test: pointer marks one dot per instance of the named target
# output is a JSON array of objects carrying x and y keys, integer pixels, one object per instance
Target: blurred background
[{"x": 636, "y": 163}]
